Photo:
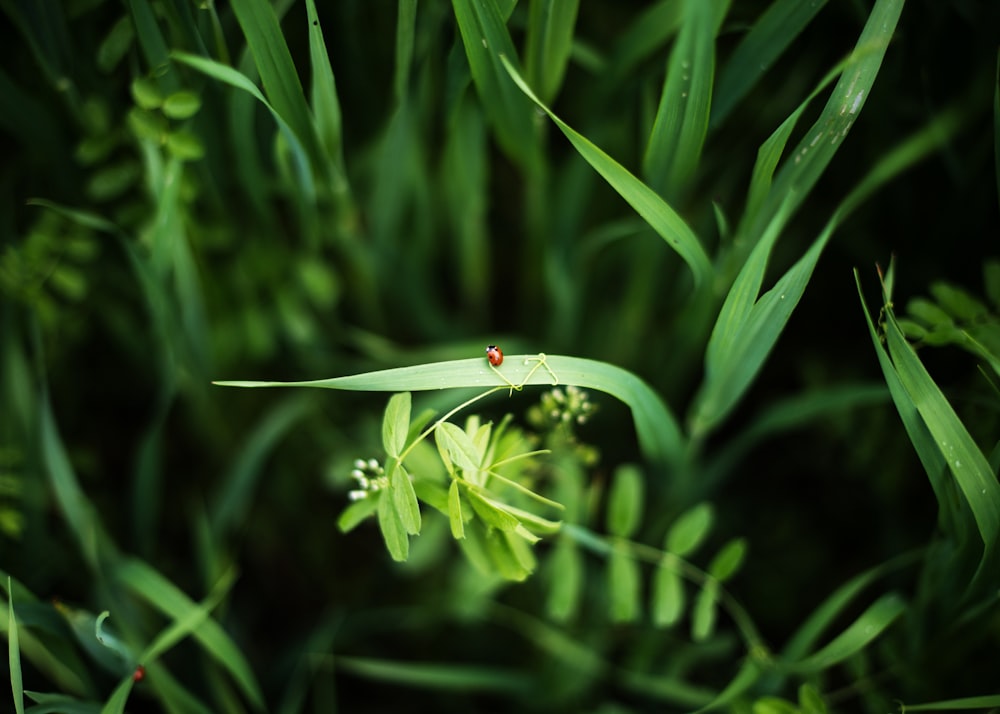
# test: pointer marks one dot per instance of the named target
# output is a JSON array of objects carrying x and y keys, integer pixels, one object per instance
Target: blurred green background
[{"x": 160, "y": 229}]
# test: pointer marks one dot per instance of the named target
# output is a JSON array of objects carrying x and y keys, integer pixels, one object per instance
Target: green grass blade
[
  {"x": 486, "y": 41},
  {"x": 967, "y": 463},
  {"x": 996, "y": 126},
  {"x": 771, "y": 35},
  {"x": 821, "y": 142},
  {"x": 14, "y": 653},
  {"x": 869, "y": 625},
  {"x": 657, "y": 429},
  {"x": 405, "y": 31},
  {"x": 549, "y": 41},
  {"x": 432, "y": 675},
  {"x": 748, "y": 327},
  {"x": 675, "y": 143},
  {"x": 240, "y": 81},
  {"x": 163, "y": 595},
  {"x": 277, "y": 72},
  {"x": 988, "y": 701},
  {"x": 323, "y": 96},
  {"x": 657, "y": 212}
]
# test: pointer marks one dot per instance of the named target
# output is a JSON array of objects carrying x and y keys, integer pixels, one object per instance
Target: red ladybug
[
  {"x": 139, "y": 674},
  {"x": 495, "y": 355}
]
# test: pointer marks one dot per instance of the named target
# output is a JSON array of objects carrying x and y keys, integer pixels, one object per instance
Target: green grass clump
[{"x": 688, "y": 485}]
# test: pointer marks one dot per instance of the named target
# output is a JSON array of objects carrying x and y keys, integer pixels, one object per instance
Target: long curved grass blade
[
  {"x": 966, "y": 461},
  {"x": 869, "y": 625},
  {"x": 486, "y": 42},
  {"x": 14, "y": 653},
  {"x": 678, "y": 134},
  {"x": 166, "y": 597},
  {"x": 819, "y": 145},
  {"x": 323, "y": 96},
  {"x": 239, "y": 80},
  {"x": 647, "y": 203},
  {"x": 985, "y": 702},
  {"x": 771, "y": 35},
  {"x": 657, "y": 430},
  {"x": 431, "y": 675},
  {"x": 748, "y": 327},
  {"x": 277, "y": 72}
]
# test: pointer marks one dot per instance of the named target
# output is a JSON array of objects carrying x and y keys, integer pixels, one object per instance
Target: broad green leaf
[
  {"x": 623, "y": 586},
  {"x": 510, "y": 554},
  {"x": 689, "y": 530},
  {"x": 667, "y": 599},
  {"x": 460, "y": 448},
  {"x": 146, "y": 93},
  {"x": 357, "y": 512},
  {"x": 565, "y": 580},
  {"x": 181, "y": 105},
  {"x": 704, "y": 612},
  {"x": 625, "y": 502},
  {"x": 728, "y": 560},
  {"x": 455, "y": 516},
  {"x": 491, "y": 513},
  {"x": 663, "y": 219},
  {"x": 396, "y": 424},
  {"x": 393, "y": 531},
  {"x": 657, "y": 430},
  {"x": 404, "y": 498}
]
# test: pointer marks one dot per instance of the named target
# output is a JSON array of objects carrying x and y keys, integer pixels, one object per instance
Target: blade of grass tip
[
  {"x": 930, "y": 457},
  {"x": 549, "y": 41},
  {"x": 14, "y": 653},
  {"x": 277, "y": 72},
  {"x": 486, "y": 41},
  {"x": 858, "y": 635},
  {"x": 166, "y": 597},
  {"x": 965, "y": 460},
  {"x": 656, "y": 428},
  {"x": 433, "y": 675},
  {"x": 799, "y": 174},
  {"x": 681, "y": 123},
  {"x": 239, "y": 80},
  {"x": 324, "y": 99},
  {"x": 769, "y": 37},
  {"x": 647, "y": 203},
  {"x": 747, "y": 327}
]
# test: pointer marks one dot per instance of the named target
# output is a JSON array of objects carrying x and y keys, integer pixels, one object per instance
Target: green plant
[{"x": 661, "y": 196}]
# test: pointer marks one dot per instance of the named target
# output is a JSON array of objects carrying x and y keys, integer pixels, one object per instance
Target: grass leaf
[
  {"x": 549, "y": 42},
  {"x": 667, "y": 223},
  {"x": 659, "y": 435},
  {"x": 14, "y": 652}
]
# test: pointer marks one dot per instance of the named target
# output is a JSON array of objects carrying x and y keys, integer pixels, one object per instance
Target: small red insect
[
  {"x": 495, "y": 355},
  {"x": 139, "y": 674}
]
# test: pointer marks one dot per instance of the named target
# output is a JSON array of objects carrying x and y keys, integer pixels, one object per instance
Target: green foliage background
[{"x": 298, "y": 191}]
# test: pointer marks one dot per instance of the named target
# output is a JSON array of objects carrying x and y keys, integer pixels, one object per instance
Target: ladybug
[
  {"x": 495, "y": 355},
  {"x": 139, "y": 674}
]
